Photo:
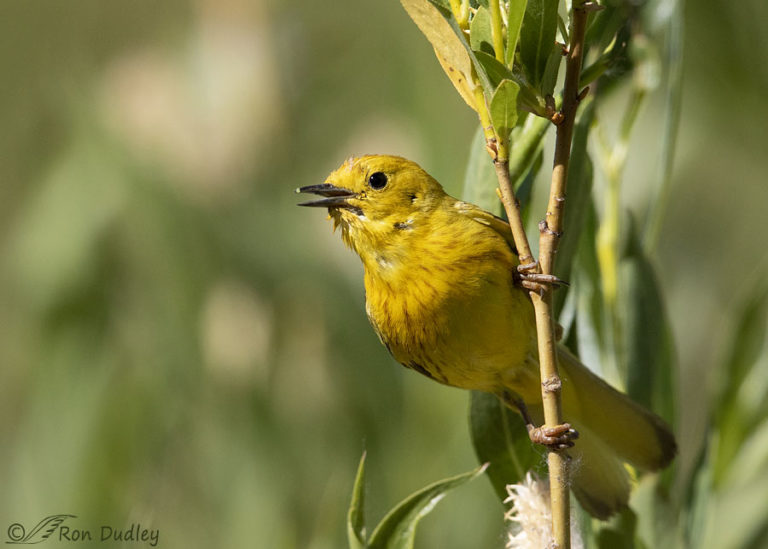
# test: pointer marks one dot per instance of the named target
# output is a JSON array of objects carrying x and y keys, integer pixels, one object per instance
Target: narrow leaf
[
  {"x": 355, "y": 515},
  {"x": 747, "y": 344},
  {"x": 524, "y": 189},
  {"x": 620, "y": 533},
  {"x": 579, "y": 194},
  {"x": 398, "y": 528},
  {"x": 657, "y": 524},
  {"x": 514, "y": 22},
  {"x": 604, "y": 25},
  {"x": 480, "y": 181},
  {"x": 504, "y": 106},
  {"x": 552, "y": 66},
  {"x": 529, "y": 98},
  {"x": 482, "y": 77},
  {"x": 742, "y": 382},
  {"x": 526, "y": 142},
  {"x": 738, "y": 515},
  {"x": 449, "y": 47},
  {"x": 480, "y": 31},
  {"x": 446, "y": 44},
  {"x": 699, "y": 501},
  {"x": 648, "y": 343},
  {"x": 496, "y": 71},
  {"x": 501, "y": 440},
  {"x": 459, "y": 81},
  {"x": 591, "y": 335},
  {"x": 537, "y": 38}
]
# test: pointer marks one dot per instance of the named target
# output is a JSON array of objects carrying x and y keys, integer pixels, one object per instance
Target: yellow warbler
[{"x": 441, "y": 296}]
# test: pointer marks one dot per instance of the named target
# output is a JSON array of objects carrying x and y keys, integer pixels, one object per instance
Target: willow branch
[
  {"x": 512, "y": 208},
  {"x": 550, "y": 231}
]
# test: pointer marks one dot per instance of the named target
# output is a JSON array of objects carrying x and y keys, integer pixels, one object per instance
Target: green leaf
[
  {"x": 501, "y": 440},
  {"x": 504, "y": 106},
  {"x": 355, "y": 515},
  {"x": 514, "y": 22},
  {"x": 579, "y": 195},
  {"x": 657, "y": 518},
  {"x": 648, "y": 343},
  {"x": 537, "y": 38},
  {"x": 619, "y": 533},
  {"x": 526, "y": 143},
  {"x": 561, "y": 26},
  {"x": 747, "y": 345},
  {"x": 529, "y": 98},
  {"x": 742, "y": 382},
  {"x": 525, "y": 160},
  {"x": 585, "y": 296},
  {"x": 479, "y": 69},
  {"x": 425, "y": 15},
  {"x": 549, "y": 78},
  {"x": 496, "y": 71},
  {"x": 738, "y": 513},
  {"x": 699, "y": 500},
  {"x": 605, "y": 24},
  {"x": 524, "y": 190},
  {"x": 480, "y": 181},
  {"x": 608, "y": 34},
  {"x": 480, "y": 31},
  {"x": 439, "y": 27},
  {"x": 398, "y": 528}
]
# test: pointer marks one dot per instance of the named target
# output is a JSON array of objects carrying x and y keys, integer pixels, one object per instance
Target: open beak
[{"x": 336, "y": 197}]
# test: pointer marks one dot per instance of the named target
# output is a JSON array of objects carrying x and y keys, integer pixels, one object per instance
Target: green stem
[
  {"x": 483, "y": 115},
  {"x": 497, "y": 31},
  {"x": 460, "y": 9}
]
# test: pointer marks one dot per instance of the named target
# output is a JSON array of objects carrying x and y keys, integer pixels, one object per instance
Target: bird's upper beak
[{"x": 336, "y": 197}]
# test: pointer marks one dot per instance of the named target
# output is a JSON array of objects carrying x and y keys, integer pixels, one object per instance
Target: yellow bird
[{"x": 441, "y": 295}]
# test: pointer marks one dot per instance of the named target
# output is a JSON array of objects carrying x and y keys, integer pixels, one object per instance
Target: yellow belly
[{"x": 475, "y": 332}]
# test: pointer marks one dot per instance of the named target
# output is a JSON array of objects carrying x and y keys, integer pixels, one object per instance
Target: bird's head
[{"x": 377, "y": 200}]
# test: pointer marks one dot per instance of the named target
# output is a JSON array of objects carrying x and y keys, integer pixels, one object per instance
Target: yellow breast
[{"x": 446, "y": 306}]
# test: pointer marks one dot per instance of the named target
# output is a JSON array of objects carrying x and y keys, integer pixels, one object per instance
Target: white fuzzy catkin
[{"x": 531, "y": 516}]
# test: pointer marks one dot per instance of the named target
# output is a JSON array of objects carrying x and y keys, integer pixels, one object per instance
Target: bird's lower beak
[{"x": 336, "y": 197}]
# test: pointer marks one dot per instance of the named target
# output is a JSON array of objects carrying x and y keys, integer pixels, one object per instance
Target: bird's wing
[{"x": 489, "y": 220}]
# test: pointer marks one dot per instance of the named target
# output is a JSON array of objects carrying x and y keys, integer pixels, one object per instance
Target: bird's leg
[
  {"x": 527, "y": 277},
  {"x": 559, "y": 436}
]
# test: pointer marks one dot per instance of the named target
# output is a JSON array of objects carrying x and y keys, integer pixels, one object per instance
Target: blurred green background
[{"x": 184, "y": 348}]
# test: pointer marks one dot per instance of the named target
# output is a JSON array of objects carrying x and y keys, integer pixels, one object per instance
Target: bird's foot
[
  {"x": 559, "y": 437},
  {"x": 527, "y": 277}
]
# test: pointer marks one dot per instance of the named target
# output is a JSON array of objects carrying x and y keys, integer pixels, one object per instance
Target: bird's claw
[
  {"x": 559, "y": 437},
  {"x": 527, "y": 277}
]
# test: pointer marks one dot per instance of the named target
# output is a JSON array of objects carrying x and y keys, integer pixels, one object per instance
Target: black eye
[{"x": 377, "y": 180}]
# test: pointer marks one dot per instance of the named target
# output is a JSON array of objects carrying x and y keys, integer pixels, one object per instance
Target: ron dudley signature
[{"x": 62, "y": 528}]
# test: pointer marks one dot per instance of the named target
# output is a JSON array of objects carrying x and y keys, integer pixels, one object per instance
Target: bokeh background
[{"x": 182, "y": 347}]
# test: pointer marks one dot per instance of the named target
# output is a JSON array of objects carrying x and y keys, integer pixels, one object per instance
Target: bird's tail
[{"x": 614, "y": 431}]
